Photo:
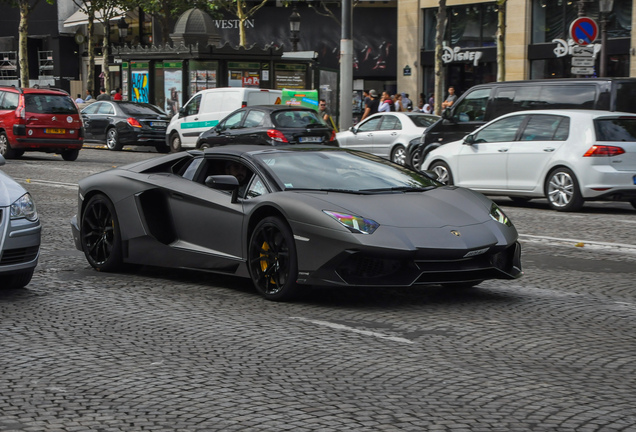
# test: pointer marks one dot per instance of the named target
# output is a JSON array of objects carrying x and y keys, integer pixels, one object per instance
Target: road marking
[
  {"x": 49, "y": 183},
  {"x": 353, "y": 330},
  {"x": 586, "y": 243}
]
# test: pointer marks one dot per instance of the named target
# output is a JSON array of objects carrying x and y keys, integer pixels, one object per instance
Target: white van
[{"x": 204, "y": 110}]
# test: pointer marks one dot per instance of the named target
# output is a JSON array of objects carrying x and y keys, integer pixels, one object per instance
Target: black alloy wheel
[
  {"x": 272, "y": 263},
  {"x": 100, "y": 236}
]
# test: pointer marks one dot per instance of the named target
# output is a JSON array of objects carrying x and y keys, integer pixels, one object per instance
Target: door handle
[
  {"x": 548, "y": 149},
  {"x": 502, "y": 150}
]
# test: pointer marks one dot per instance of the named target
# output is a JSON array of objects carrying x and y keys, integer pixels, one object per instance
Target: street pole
[{"x": 346, "y": 66}]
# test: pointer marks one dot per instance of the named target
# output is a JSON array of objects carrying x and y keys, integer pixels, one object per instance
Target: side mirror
[
  {"x": 469, "y": 139},
  {"x": 353, "y": 130},
  {"x": 181, "y": 112},
  {"x": 224, "y": 183}
]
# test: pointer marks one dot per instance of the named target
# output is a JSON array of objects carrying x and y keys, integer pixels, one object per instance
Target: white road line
[
  {"x": 353, "y": 330},
  {"x": 586, "y": 243}
]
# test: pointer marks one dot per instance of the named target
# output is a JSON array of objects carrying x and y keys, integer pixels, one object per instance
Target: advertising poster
[
  {"x": 173, "y": 83},
  {"x": 139, "y": 86},
  {"x": 300, "y": 98}
]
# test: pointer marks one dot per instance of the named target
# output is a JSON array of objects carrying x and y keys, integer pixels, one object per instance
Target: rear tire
[
  {"x": 16, "y": 280},
  {"x": 5, "y": 148},
  {"x": 70, "y": 155},
  {"x": 273, "y": 264},
  {"x": 100, "y": 235},
  {"x": 562, "y": 190},
  {"x": 112, "y": 140},
  {"x": 444, "y": 174},
  {"x": 175, "y": 142}
]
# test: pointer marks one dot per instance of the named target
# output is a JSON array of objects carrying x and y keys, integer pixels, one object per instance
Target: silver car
[{"x": 19, "y": 233}]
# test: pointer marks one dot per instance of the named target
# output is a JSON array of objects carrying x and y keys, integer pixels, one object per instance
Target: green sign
[
  {"x": 173, "y": 65},
  {"x": 243, "y": 65},
  {"x": 301, "y": 98}
]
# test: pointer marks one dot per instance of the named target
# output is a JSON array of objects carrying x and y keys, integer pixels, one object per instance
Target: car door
[
  {"x": 539, "y": 141},
  {"x": 364, "y": 134},
  {"x": 101, "y": 120},
  {"x": 483, "y": 164},
  {"x": 253, "y": 130},
  {"x": 88, "y": 114},
  {"x": 386, "y": 135},
  {"x": 190, "y": 125},
  {"x": 227, "y": 131}
]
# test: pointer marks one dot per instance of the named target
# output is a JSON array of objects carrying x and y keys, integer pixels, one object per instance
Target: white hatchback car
[
  {"x": 566, "y": 156},
  {"x": 386, "y": 134}
]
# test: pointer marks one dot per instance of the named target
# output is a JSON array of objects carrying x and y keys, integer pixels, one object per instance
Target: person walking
[
  {"x": 79, "y": 99},
  {"x": 324, "y": 113},
  {"x": 88, "y": 96},
  {"x": 103, "y": 95},
  {"x": 372, "y": 106},
  {"x": 117, "y": 96},
  {"x": 386, "y": 103}
]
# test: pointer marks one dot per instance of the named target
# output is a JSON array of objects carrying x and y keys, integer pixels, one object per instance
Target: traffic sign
[
  {"x": 583, "y": 61},
  {"x": 584, "y": 30}
]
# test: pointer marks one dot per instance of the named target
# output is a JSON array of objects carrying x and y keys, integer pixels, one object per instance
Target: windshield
[
  {"x": 49, "y": 104},
  {"x": 143, "y": 109},
  {"x": 342, "y": 170},
  {"x": 297, "y": 119},
  {"x": 423, "y": 120},
  {"x": 616, "y": 129}
]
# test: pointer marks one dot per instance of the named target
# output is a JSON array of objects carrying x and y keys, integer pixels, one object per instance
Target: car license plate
[
  {"x": 158, "y": 124},
  {"x": 311, "y": 139},
  {"x": 55, "y": 131}
]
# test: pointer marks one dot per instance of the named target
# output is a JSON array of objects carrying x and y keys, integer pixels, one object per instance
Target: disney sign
[
  {"x": 456, "y": 54},
  {"x": 569, "y": 47}
]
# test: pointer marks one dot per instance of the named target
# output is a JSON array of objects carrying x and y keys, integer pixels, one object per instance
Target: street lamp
[
  {"x": 122, "y": 27},
  {"x": 294, "y": 28},
  {"x": 604, "y": 7}
]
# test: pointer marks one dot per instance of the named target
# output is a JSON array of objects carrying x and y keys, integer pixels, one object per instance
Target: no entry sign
[{"x": 584, "y": 30}]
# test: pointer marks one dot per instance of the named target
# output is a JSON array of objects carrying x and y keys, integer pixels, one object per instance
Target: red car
[{"x": 38, "y": 119}]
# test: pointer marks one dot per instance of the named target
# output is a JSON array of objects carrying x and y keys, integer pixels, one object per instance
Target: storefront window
[
  {"x": 203, "y": 75},
  {"x": 469, "y": 26},
  {"x": 551, "y": 19}
]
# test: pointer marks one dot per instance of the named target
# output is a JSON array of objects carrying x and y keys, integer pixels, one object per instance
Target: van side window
[
  {"x": 472, "y": 107},
  {"x": 545, "y": 128},
  {"x": 568, "y": 97},
  {"x": 192, "y": 107},
  {"x": 626, "y": 97}
]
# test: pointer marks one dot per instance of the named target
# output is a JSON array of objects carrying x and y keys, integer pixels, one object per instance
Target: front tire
[
  {"x": 416, "y": 160},
  {"x": 273, "y": 264},
  {"x": 112, "y": 140},
  {"x": 175, "y": 142},
  {"x": 562, "y": 190},
  {"x": 16, "y": 280},
  {"x": 100, "y": 235},
  {"x": 398, "y": 155},
  {"x": 443, "y": 172}
]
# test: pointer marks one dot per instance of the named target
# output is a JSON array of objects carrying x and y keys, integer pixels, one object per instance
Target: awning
[{"x": 80, "y": 18}]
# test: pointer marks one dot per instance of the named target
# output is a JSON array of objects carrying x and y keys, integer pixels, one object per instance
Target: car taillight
[
  {"x": 333, "y": 135},
  {"x": 276, "y": 135},
  {"x": 20, "y": 111},
  {"x": 133, "y": 122},
  {"x": 603, "y": 150}
]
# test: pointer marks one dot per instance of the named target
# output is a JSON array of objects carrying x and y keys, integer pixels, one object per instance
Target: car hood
[
  {"x": 10, "y": 190},
  {"x": 439, "y": 207}
]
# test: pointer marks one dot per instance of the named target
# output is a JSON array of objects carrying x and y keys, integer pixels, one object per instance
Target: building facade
[{"x": 538, "y": 41}]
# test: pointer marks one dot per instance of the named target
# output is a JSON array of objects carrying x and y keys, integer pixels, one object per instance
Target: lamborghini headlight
[
  {"x": 355, "y": 224},
  {"x": 497, "y": 214},
  {"x": 24, "y": 207}
]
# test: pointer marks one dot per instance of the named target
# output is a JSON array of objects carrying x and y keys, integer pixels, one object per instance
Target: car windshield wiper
[
  {"x": 401, "y": 189},
  {"x": 349, "y": 191}
]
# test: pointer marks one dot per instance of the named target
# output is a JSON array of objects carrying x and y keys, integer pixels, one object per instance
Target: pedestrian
[
  {"x": 103, "y": 95},
  {"x": 79, "y": 99},
  {"x": 450, "y": 99},
  {"x": 427, "y": 108},
  {"x": 397, "y": 103},
  {"x": 117, "y": 96},
  {"x": 88, "y": 96},
  {"x": 324, "y": 113},
  {"x": 371, "y": 107},
  {"x": 406, "y": 102},
  {"x": 386, "y": 103}
]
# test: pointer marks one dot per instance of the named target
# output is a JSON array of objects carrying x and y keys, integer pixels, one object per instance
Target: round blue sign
[{"x": 584, "y": 31}]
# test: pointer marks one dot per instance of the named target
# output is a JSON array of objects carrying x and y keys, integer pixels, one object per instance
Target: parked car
[
  {"x": 39, "y": 119},
  {"x": 566, "y": 156},
  {"x": 296, "y": 216},
  {"x": 269, "y": 125},
  {"x": 485, "y": 102},
  {"x": 207, "y": 107},
  {"x": 19, "y": 233},
  {"x": 386, "y": 134},
  {"x": 121, "y": 123}
]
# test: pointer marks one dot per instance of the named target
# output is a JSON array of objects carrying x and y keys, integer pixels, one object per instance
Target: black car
[
  {"x": 269, "y": 125},
  {"x": 122, "y": 123}
]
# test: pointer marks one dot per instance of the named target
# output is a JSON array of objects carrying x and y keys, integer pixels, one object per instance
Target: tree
[
  {"x": 165, "y": 10},
  {"x": 108, "y": 9},
  {"x": 241, "y": 10},
  {"x": 501, "y": 33},
  {"x": 322, "y": 8},
  {"x": 89, "y": 9},
  {"x": 25, "y": 7},
  {"x": 439, "y": 47}
]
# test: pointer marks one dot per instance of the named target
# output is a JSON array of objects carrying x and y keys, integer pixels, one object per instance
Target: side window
[
  {"x": 500, "y": 131},
  {"x": 390, "y": 122},
  {"x": 563, "y": 130},
  {"x": 91, "y": 109},
  {"x": 191, "y": 170},
  {"x": 541, "y": 128},
  {"x": 472, "y": 107},
  {"x": 2, "y": 100},
  {"x": 192, "y": 107},
  {"x": 568, "y": 96},
  {"x": 233, "y": 121},
  {"x": 106, "y": 109},
  {"x": 370, "y": 125},
  {"x": 254, "y": 118},
  {"x": 504, "y": 101},
  {"x": 256, "y": 188}
]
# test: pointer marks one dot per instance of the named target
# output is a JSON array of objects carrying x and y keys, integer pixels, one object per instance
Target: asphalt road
[{"x": 163, "y": 350}]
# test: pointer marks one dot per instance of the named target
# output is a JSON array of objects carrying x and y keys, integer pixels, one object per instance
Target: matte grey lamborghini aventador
[{"x": 293, "y": 216}]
